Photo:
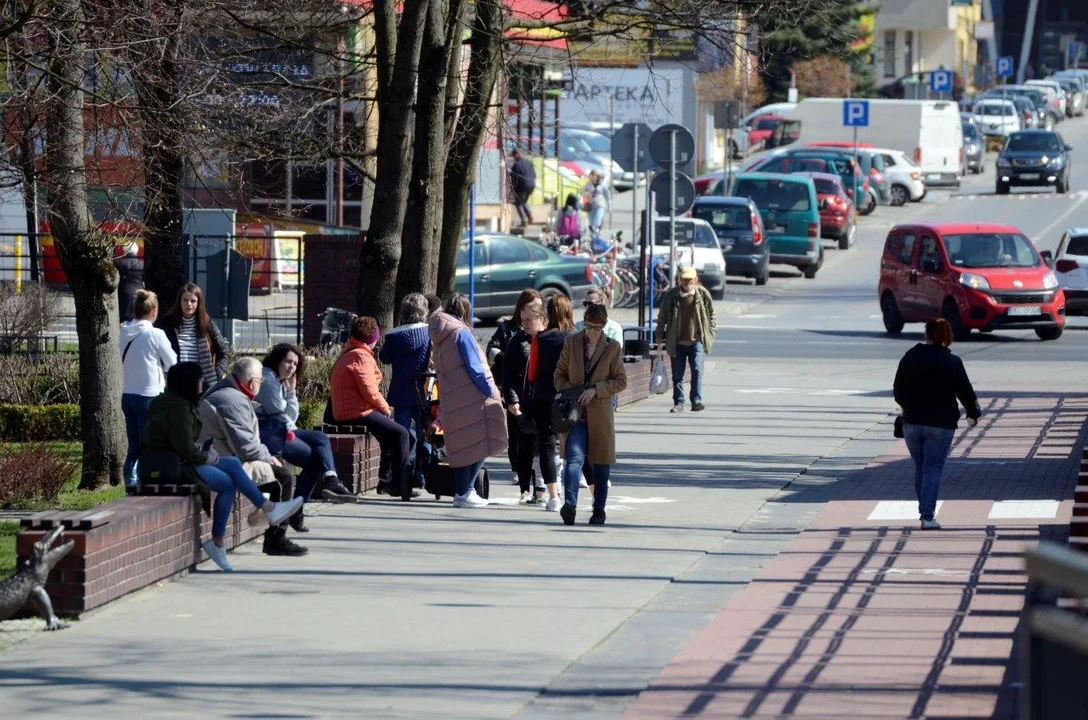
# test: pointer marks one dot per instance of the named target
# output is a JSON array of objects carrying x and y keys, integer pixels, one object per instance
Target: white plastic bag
[{"x": 659, "y": 378}]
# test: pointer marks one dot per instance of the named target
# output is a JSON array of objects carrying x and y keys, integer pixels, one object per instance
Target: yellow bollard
[{"x": 18, "y": 263}]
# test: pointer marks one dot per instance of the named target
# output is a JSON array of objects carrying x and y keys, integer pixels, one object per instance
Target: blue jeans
[
  {"x": 225, "y": 478},
  {"x": 687, "y": 355},
  {"x": 464, "y": 478},
  {"x": 135, "y": 409},
  {"x": 310, "y": 450},
  {"x": 928, "y": 448},
  {"x": 575, "y": 457},
  {"x": 596, "y": 217}
]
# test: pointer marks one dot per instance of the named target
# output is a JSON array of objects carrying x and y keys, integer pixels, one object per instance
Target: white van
[{"x": 928, "y": 131}]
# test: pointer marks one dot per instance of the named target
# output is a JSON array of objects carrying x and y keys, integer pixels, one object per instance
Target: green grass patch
[
  {"x": 70, "y": 496},
  {"x": 8, "y": 531}
]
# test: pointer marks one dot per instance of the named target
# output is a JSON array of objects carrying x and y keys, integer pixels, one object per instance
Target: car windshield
[
  {"x": 596, "y": 142},
  {"x": 990, "y": 250},
  {"x": 996, "y": 109},
  {"x": 686, "y": 234},
  {"x": 768, "y": 123},
  {"x": 774, "y": 194},
  {"x": 724, "y": 218},
  {"x": 1034, "y": 142},
  {"x": 970, "y": 132}
]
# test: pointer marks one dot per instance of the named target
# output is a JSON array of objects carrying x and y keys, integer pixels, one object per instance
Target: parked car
[
  {"x": 737, "y": 223},
  {"x": 1071, "y": 267},
  {"x": 904, "y": 176},
  {"x": 1034, "y": 157},
  {"x": 505, "y": 265},
  {"x": 976, "y": 276},
  {"x": 790, "y": 214},
  {"x": 871, "y": 166},
  {"x": 973, "y": 151},
  {"x": 1074, "y": 96},
  {"x": 1054, "y": 92},
  {"x": 997, "y": 117},
  {"x": 838, "y": 221},
  {"x": 806, "y": 159},
  {"x": 601, "y": 147},
  {"x": 698, "y": 247},
  {"x": 762, "y": 129},
  {"x": 915, "y": 86},
  {"x": 1044, "y": 116},
  {"x": 740, "y": 144}
]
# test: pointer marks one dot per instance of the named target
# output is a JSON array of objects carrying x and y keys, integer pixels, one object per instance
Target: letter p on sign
[{"x": 855, "y": 113}]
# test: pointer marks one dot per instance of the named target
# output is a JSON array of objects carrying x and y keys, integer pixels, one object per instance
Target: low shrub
[
  {"x": 25, "y": 313},
  {"x": 310, "y": 413},
  {"x": 34, "y": 472},
  {"x": 44, "y": 379},
  {"x": 33, "y": 423},
  {"x": 314, "y": 383}
]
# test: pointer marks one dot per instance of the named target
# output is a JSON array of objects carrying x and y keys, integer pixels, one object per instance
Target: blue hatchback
[{"x": 740, "y": 232}]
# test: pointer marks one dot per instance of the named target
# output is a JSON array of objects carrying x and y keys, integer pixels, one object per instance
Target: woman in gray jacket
[{"x": 277, "y": 418}]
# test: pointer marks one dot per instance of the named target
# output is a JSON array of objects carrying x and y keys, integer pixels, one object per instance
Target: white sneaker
[
  {"x": 609, "y": 483},
  {"x": 524, "y": 498},
  {"x": 582, "y": 483},
  {"x": 469, "y": 500},
  {"x": 553, "y": 505},
  {"x": 931, "y": 525},
  {"x": 283, "y": 510},
  {"x": 218, "y": 556},
  {"x": 514, "y": 480}
]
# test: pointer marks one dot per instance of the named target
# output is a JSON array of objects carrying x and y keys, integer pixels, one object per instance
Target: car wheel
[
  {"x": 889, "y": 311},
  {"x": 764, "y": 276},
  {"x": 1049, "y": 333},
  {"x": 718, "y": 294},
  {"x": 810, "y": 271},
  {"x": 848, "y": 237},
  {"x": 951, "y": 313},
  {"x": 900, "y": 195},
  {"x": 869, "y": 206},
  {"x": 547, "y": 293},
  {"x": 1062, "y": 186},
  {"x": 1001, "y": 188}
]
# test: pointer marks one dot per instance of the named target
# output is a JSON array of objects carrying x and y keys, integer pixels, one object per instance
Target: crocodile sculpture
[{"x": 28, "y": 583}]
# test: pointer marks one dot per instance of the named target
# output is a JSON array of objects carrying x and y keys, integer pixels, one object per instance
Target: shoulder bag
[{"x": 566, "y": 410}]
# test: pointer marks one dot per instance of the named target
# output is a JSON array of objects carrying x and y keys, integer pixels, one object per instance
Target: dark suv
[
  {"x": 1034, "y": 157},
  {"x": 737, "y": 223}
]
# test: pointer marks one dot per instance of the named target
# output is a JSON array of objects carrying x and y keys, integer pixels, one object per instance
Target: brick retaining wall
[
  {"x": 638, "y": 382},
  {"x": 1078, "y": 524}
]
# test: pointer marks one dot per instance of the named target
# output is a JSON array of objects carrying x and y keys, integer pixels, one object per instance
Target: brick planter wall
[
  {"x": 357, "y": 459},
  {"x": 1078, "y": 525},
  {"x": 638, "y": 382},
  {"x": 332, "y": 271},
  {"x": 126, "y": 545}
]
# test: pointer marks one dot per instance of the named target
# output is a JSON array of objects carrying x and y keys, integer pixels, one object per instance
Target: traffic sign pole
[
  {"x": 634, "y": 187},
  {"x": 672, "y": 209}
]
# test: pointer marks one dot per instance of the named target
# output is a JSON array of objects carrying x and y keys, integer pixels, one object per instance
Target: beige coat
[
  {"x": 474, "y": 424},
  {"x": 609, "y": 378}
]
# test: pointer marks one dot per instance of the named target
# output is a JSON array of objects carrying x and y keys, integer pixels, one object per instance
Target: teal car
[
  {"x": 791, "y": 217},
  {"x": 506, "y": 265}
]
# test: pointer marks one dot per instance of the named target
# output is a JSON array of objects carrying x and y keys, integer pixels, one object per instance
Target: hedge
[{"x": 27, "y": 423}]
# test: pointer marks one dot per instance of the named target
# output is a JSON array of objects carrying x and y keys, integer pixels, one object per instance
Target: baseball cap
[{"x": 688, "y": 273}]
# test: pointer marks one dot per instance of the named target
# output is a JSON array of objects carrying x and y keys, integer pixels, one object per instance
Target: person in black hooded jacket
[
  {"x": 496, "y": 354},
  {"x": 927, "y": 384}
]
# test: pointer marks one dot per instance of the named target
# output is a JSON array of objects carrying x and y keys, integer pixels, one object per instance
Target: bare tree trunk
[
  {"x": 398, "y": 66},
  {"x": 85, "y": 254},
  {"x": 486, "y": 42},
  {"x": 421, "y": 226},
  {"x": 153, "y": 57}
]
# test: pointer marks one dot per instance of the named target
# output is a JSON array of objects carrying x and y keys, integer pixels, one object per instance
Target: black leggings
[
  {"x": 547, "y": 444},
  {"x": 395, "y": 443}
]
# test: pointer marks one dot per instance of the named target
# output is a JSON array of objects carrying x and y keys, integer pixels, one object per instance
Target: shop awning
[{"x": 536, "y": 16}]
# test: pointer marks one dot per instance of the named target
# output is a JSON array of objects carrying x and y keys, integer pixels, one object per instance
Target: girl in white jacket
[{"x": 146, "y": 355}]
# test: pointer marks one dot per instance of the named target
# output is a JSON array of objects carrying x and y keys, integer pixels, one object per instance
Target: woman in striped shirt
[{"x": 194, "y": 336}]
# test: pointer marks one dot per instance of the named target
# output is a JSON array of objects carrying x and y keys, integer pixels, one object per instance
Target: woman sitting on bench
[
  {"x": 172, "y": 429},
  {"x": 357, "y": 400}
]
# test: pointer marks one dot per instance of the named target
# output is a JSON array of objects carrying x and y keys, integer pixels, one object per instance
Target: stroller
[{"x": 431, "y": 448}]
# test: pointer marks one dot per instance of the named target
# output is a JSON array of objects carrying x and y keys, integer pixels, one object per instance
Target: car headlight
[
  {"x": 1057, "y": 162},
  {"x": 973, "y": 281},
  {"x": 1050, "y": 281}
]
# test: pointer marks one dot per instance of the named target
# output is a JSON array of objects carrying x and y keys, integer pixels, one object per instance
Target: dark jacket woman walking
[
  {"x": 497, "y": 349},
  {"x": 595, "y": 362},
  {"x": 544, "y": 355},
  {"x": 927, "y": 384},
  {"x": 194, "y": 336}
]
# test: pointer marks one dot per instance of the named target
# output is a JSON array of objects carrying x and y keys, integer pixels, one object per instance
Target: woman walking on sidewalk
[
  {"x": 544, "y": 355},
  {"x": 929, "y": 380},
  {"x": 595, "y": 362}
]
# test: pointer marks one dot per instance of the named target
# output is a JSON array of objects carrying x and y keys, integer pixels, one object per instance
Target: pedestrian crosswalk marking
[
  {"x": 898, "y": 510},
  {"x": 1004, "y": 509}
]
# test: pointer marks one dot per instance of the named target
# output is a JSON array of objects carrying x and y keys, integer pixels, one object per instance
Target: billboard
[{"x": 654, "y": 96}]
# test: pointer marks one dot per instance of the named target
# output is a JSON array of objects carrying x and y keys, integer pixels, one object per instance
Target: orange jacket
[{"x": 355, "y": 380}]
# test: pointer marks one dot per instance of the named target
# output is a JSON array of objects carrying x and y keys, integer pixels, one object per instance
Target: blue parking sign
[
  {"x": 855, "y": 113},
  {"x": 1004, "y": 66},
  {"x": 940, "y": 81}
]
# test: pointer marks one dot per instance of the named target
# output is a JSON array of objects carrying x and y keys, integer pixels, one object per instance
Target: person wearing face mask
[{"x": 685, "y": 328}]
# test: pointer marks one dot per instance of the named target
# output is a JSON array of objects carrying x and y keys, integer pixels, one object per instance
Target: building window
[
  {"x": 908, "y": 51},
  {"x": 889, "y": 53}
]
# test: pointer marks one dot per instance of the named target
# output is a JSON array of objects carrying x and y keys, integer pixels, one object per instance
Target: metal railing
[{"x": 1054, "y": 633}]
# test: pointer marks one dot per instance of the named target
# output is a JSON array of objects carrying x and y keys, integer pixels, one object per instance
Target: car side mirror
[
  {"x": 1068, "y": 147},
  {"x": 1048, "y": 258}
]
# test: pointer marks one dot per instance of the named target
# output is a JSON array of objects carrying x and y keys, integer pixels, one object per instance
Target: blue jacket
[{"x": 407, "y": 349}]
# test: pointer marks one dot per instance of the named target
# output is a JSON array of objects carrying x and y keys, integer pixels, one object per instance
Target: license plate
[
  {"x": 1024, "y": 310},
  {"x": 777, "y": 229},
  {"x": 933, "y": 176},
  {"x": 1029, "y": 176}
]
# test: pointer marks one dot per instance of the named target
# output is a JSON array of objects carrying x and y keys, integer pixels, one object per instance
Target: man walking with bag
[{"x": 686, "y": 327}]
